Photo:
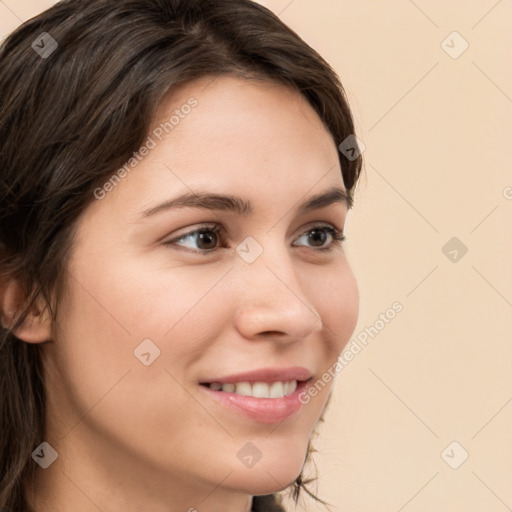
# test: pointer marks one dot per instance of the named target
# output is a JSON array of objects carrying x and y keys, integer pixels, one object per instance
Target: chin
[
  {"x": 260, "y": 483},
  {"x": 276, "y": 470}
]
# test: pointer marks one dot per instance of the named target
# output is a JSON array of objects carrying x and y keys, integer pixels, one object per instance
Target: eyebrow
[{"x": 243, "y": 207}]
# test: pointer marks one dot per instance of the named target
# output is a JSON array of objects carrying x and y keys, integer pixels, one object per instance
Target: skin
[{"x": 134, "y": 437}]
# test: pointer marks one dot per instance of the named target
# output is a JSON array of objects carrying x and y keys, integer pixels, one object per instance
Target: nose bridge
[{"x": 271, "y": 297}]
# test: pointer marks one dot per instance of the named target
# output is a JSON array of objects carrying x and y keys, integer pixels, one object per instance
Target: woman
[{"x": 173, "y": 281}]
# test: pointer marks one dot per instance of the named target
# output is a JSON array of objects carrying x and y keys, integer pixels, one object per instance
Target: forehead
[
  {"x": 236, "y": 137},
  {"x": 231, "y": 107}
]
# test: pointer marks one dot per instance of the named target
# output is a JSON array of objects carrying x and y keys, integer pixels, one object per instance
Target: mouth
[
  {"x": 265, "y": 396},
  {"x": 278, "y": 389}
]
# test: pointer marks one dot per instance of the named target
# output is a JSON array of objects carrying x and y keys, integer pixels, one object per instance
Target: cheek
[
  {"x": 111, "y": 310},
  {"x": 335, "y": 295},
  {"x": 337, "y": 302},
  {"x": 98, "y": 380},
  {"x": 92, "y": 348}
]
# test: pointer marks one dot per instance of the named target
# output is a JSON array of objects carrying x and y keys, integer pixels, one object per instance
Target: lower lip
[{"x": 263, "y": 410}]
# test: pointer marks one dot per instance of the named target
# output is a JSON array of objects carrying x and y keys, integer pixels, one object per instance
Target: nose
[{"x": 272, "y": 302}]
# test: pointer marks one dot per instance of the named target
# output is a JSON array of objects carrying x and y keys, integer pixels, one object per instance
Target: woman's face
[{"x": 154, "y": 311}]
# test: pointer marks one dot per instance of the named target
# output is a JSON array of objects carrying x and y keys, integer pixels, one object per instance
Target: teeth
[
  {"x": 276, "y": 390},
  {"x": 258, "y": 389},
  {"x": 230, "y": 388},
  {"x": 243, "y": 388}
]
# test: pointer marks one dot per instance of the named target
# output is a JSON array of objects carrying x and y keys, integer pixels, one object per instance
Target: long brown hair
[{"x": 74, "y": 113}]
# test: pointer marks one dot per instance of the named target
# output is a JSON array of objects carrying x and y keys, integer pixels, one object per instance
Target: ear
[{"x": 37, "y": 326}]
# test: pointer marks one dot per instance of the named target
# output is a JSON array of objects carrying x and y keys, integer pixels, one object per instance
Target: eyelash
[{"x": 337, "y": 237}]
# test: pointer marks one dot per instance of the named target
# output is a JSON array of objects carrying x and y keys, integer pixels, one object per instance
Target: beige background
[{"x": 437, "y": 131}]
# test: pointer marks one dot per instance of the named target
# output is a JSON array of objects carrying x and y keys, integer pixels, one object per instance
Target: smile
[{"x": 277, "y": 389}]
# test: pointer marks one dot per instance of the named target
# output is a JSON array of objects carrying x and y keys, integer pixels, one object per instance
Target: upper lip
[{"x": 264, "y": 375}]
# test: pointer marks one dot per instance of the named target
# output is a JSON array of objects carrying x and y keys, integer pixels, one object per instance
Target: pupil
[
  {"x": 314, "y": 235},
  {"x": 206, "y": 236}
]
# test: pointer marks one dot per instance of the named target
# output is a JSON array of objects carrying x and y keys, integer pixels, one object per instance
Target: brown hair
[{"x": 73, "y": 116}]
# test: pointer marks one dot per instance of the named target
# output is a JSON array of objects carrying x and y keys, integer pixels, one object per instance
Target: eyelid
[
  {"x": 337, "y": 234},
  {"x": 217, "y": 227}
]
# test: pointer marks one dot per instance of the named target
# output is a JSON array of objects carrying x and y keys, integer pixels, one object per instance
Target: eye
[
  {"x": 204, "y": 240},
  {"x": 205, "y": 236},
  {"x": 319, "y": 234}
]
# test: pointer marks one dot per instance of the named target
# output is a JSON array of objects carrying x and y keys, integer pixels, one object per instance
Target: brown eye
[
  {"x": 207, "y": 239},
  {"x": 319, "y": 235},
  {"x": 204, "y": 239}
]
